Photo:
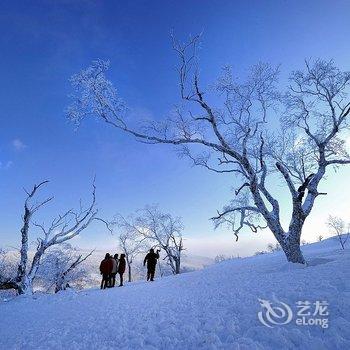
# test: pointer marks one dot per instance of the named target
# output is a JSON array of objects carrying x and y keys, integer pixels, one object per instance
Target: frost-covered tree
[
  {"x": 62, "y": 266},
  {"x": 4, "y": 273},
  {"x": 62, "y": 229},
  {"x": 337, "y": 225},
  {"x": 157, "y": 229},
  {"x": 165, "y": 231},
  {"x": 131, "y": 242},
  {"x": 240, "y": 136},
  {"x": 7, "y": 266}
]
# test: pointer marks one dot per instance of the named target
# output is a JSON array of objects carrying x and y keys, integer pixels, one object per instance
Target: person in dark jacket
[
  {"x": 151, "y": 260},
  {"x": 114, "y": 269},
  {"x": 106, "y": 267},
  {"x": 121, "y": 268}
]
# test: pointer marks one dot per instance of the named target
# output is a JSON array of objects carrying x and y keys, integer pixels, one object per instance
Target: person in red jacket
[
  {"x": 106, "y": 267},
  {"x": 121, "y": 268}
]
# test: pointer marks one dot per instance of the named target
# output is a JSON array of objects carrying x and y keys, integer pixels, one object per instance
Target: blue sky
[{"x": 43, "y": 43}]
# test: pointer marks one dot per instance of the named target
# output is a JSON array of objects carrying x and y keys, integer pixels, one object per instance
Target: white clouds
[
  {"x": 5, "y": 166},
  {"x": 18, "y": 144}
]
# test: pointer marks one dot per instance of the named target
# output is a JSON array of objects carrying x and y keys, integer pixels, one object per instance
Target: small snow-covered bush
[
  {"x": 63, "y": 267},
  {"x": 337, "y": 225},
  {"x": 7, "y": 265}
]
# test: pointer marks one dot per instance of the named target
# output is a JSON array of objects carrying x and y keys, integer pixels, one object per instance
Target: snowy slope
[{"x": 215, "y": 308}]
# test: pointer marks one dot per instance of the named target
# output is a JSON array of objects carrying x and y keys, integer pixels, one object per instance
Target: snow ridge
[{"x": 215, "y": 308}]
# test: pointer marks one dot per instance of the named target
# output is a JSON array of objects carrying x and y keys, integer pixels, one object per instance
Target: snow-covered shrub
[
  {"x": 62, "y": 268},
  {"x": 337, "y": 225},
  {"x": 7, "y": 265},
  {"x": 273, "y": 247}
]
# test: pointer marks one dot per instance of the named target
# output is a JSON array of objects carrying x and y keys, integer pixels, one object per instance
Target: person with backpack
[
  {"x": 121, "y": 268},
  {"x": 151, "y": 260},
  {"x": 106, "y": 267}
]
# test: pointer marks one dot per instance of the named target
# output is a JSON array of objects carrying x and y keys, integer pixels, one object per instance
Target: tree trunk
[
  {"x": 177, "y": 266},
  {"x": 25, "y": 286},
  {"x": 129, "y": 272},
  {"x": 289, "y": 241},
  {"x": 24, "y": 245},
  {"x": 160, "y": 269},
  {"x": 341, "y": 240},
  {"x": 60, "y": 283},
  {"x": 291, "y": 248}
]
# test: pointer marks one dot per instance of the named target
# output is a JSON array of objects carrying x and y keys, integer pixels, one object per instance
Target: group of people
[{"x": 111, "y": 266}]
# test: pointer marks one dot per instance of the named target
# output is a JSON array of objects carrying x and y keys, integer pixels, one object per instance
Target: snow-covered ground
[{"x": 215, "y": 308}]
